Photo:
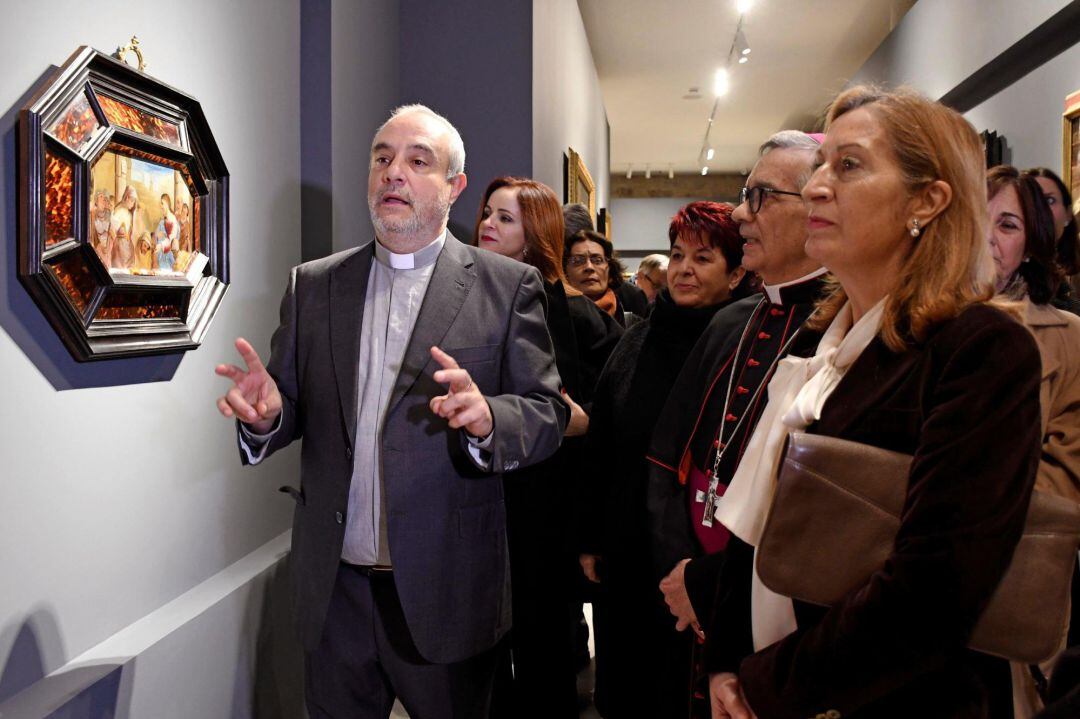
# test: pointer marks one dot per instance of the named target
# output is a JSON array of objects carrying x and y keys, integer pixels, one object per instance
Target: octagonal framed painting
[{"x": 123, "y": 210}]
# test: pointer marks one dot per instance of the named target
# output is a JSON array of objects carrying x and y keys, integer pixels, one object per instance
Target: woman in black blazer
[
  {"x": 913, "y": 358},
  {"x": 522, "y": 219}
]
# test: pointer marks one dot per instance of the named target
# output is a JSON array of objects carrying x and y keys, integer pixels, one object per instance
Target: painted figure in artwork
[
  {"x": 123, "y": 225},
  {"x": 101, "y": 218}
]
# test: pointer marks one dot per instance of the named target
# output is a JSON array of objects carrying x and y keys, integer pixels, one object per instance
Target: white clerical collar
[
  {"x": 773, "y": 291},
  {"x": 410, "y": 261}
]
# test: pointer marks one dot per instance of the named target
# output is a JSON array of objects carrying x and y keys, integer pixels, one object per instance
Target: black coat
[
  {"x": 965, "y": 405},
  {"x": 629, "y": 397},
  {"x": 636, "y": 644}
]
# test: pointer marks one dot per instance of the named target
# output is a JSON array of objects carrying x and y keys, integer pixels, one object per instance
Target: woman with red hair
[
  {"x": 636, "y": 642},
  {"x": 522, "y": 219}
]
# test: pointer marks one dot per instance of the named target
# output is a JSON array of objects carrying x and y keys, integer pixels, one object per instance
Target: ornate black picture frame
[{"x": 123, "y": 211}]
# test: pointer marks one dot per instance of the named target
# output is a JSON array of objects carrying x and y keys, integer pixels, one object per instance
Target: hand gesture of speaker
[
  {"x": 463, "y": 404},
  {"x": 254, "y": 398}
]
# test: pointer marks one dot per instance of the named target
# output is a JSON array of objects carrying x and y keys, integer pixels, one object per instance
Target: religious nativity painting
[{"x": 142, "y": 217}]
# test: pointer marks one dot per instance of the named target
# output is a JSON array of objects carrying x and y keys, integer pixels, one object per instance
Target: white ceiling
[{"x": 649, "y": 53}]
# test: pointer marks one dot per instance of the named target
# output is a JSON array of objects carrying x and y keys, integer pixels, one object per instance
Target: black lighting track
[{"x": 1056, "y": 35}]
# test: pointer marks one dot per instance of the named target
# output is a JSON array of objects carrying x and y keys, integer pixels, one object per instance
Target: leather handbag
[{"x": 834, "y": 519}]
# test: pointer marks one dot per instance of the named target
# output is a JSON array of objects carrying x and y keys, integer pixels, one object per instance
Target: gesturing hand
[
  {"x": 463, "y": 404},
  {"x": 726, "y": 698},
  {"x": 254, "y": 398},
  {"x": 674, "y": 588}
]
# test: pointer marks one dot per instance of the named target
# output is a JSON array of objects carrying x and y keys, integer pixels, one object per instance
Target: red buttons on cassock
[
  {"x": 741, "y": 390},
  {"x": 730, "y": 417},
  {"x": 763, "y": 335},
  {"x": 752, "y": 362},
  {"x": 776, "y": 312}
]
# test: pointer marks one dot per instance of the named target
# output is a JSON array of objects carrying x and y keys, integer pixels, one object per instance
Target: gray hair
[
  {"x": 792, "y": 140},
  {"x": 576, "y": 217},
  {"x": 651, "y": 263},
  {"x": 457, "y": 145}
]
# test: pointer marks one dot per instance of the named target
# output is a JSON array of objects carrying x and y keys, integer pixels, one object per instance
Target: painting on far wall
[
  {"x": 1070, "y": 166},
  {"x": 580, "y": 187}
]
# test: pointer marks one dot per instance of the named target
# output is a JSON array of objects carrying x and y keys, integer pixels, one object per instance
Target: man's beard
[{"x": 422, "y": 217}]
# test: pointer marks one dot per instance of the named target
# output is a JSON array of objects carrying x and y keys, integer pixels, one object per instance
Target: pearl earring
[{"x": 914, "y": 227}]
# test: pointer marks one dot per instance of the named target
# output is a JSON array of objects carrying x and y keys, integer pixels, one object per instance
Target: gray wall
[
  {"x": 940, "y": 43},
  {"x": 364, "y": 81},
  {"x": 123, "y": 495},
  {"x": 470, "y": 60},
  {"x": 567, "y": 105}
]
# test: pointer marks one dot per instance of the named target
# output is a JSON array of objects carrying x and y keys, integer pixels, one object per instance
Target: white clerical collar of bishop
[
  {"x": 773, "y": 291},
  {"x": 410, "y": 261}
]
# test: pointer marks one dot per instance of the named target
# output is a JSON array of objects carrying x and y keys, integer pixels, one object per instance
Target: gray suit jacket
[{"x": 445, "y": 517}]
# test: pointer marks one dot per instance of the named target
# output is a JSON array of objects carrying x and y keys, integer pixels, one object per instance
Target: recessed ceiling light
[
  {"x": 743, "y": 6},
  {"x": 743, "y": 60}
]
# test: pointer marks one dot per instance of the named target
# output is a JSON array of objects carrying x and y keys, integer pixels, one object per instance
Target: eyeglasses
[
  {"x": 754, "y": 196},
  {"x": 580, "y": 260}
]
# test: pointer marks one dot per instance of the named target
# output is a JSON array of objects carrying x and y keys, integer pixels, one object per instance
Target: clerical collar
[
  {"x": 773, "y": 292},
  {"x": 421, "y": 258}
]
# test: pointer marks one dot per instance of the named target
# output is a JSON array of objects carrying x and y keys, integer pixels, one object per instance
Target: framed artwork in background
[
  {"x": 1070, "y": 161},
  {"x": 579, "y": 183},
  {"x": 124, "y": 210}
]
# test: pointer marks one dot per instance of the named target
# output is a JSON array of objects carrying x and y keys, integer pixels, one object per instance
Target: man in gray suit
[{"x": 399, "y": 560}]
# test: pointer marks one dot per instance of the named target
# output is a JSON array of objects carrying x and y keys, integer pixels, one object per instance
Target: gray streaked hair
[
  {"x": 456, "y": 164},
  {"x": 792, "y": 140},
  {"x": 651, "y": 263}
]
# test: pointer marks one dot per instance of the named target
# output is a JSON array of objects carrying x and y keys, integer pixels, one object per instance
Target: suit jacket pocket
[
  {"x": 471, "y": 355},
  {"x": 482, "y": 519}
]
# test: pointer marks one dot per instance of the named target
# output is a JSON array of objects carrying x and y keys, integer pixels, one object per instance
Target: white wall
[
  {"x": 117, "y": 498},
  {"x": 568, "y": 108},
  {"x": 641, "y": 223}
]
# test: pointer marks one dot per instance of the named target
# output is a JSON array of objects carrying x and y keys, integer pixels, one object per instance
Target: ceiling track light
[
  {"x": 721, "y": 82},
  {"x": 705, "y": 170},
  {"x": 743, "y": 6},
  {"x": 710, "y": 154},
  {"x": 629, "y": 171},
  {"x": 648, "y": 173}
]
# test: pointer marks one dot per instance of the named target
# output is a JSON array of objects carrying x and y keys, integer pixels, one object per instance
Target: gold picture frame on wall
[
  {"x": 579, "y": 183},
  {"x": 1070, "y": 160}
]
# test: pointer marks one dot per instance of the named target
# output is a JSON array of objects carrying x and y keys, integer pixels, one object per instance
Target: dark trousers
[
  {"x": 366, "y": 658},
  {"x": 643, "y": 666}
]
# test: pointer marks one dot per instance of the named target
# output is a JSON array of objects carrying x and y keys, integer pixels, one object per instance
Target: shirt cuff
[
  {"x": 479, "y": 449},
  {"x": 254, "y": 444}
]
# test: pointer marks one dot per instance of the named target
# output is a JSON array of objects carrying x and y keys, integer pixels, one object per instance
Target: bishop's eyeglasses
[{"x": 754, "y": 196}]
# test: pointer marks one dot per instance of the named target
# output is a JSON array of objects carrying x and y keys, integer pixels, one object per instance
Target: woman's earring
[
  {"x": 524, "y": 252},
  {"x": 914, "y": 227}
]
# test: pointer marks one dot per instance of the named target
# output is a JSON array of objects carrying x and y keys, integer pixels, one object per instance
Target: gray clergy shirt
[{"x": 396, "y": 288}]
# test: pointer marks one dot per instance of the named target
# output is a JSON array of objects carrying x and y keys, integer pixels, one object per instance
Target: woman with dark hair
[
  {"x": 914, "y": 357},
  {"x": 1066, "y": 236},
  {"x": 1022, "y": 242},
  {"x": 591, "y": 267},
  {"x": 636, "y": 642},
  {"x": 522, "y": 219}
]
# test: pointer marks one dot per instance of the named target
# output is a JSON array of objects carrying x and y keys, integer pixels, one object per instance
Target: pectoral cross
[{"x": 711, "y": 499}]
